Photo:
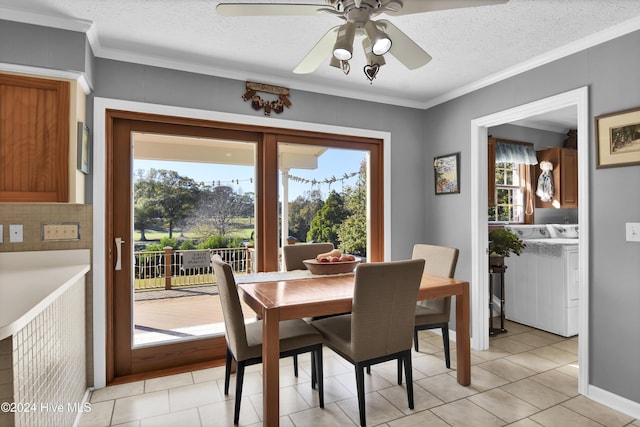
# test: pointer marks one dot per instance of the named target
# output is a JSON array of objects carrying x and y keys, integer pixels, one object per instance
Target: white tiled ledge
[{"x": 30, "y": 281}]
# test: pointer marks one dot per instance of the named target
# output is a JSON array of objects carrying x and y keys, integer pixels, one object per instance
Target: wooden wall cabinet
[
  {"x": 34, "y": 139},
  {"x": 565, "y": 177}
]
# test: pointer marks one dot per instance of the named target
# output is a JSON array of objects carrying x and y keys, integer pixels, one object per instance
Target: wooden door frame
[{"x": 121, "y": 360}]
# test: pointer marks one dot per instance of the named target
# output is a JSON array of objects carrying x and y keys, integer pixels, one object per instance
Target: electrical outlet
[
  {"x": 16, "y": 233},
  {"x": 633, "y": 232}
]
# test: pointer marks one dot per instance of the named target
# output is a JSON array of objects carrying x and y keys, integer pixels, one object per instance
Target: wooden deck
[{"x": 181, "y": 314}]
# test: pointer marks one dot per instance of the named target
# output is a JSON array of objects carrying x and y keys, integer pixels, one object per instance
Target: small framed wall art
[
  {"x": 618, "y": 139},
  {"x": 84, "y": 148},
  {"x": 447, "y": 174}
]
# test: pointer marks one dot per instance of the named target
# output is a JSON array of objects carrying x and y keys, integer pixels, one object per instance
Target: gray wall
[
  {"x": 610, "y": 71},
  {"x": 540, "y": 139}
]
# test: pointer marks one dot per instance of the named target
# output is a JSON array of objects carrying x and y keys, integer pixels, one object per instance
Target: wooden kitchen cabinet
[
  {"x": 565, "y": 177},
  {"x": 34, "y": 139}
]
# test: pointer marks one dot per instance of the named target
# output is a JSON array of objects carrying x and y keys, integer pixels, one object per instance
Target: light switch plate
[
  {"x": 57, "y": 232},
  {"x": 16, "y": 233},
  {"x": 1, "y": 233},
  {"x": 633, "y": 232}
]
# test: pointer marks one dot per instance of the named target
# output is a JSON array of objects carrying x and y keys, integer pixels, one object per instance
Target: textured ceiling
[{"x": 470, "y": 47}]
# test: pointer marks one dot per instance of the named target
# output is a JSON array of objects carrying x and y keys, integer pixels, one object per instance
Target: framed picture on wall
[
  {"x": 447, "y": 173},
  {"x": 618, "y": 139},
  {"x": 84, "y": 148}
]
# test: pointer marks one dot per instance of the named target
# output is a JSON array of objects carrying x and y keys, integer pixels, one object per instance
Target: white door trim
[
  {"x": 479, "y": 242},
  {"x": 99, "y": 187}
]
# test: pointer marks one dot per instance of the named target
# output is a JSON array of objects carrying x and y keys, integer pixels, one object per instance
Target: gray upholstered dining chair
[
  {"x": 244, "y": 341},
  {"x": 434, "y": 313},
  {"x": 380, "y": 325},
  {"x": 293, "y": 255}
]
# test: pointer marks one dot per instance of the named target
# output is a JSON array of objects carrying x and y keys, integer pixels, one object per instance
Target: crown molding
[
  {"x": 60, "y": 22},
  {"x": 553, "y": 55}
]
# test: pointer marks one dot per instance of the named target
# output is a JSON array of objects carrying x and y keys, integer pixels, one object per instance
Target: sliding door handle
[{"x": 118, "y": 242}]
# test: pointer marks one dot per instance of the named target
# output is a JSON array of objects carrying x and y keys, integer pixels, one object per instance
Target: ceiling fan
[{"x": 380, "y": 36}]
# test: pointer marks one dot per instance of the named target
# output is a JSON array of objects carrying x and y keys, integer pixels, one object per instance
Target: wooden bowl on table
[{"x": 339, "y": 267}]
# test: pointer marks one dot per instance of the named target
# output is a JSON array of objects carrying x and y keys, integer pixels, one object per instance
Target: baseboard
[
  {"x": 614, "y": 401},
  {"x": 85, "y": 405}
]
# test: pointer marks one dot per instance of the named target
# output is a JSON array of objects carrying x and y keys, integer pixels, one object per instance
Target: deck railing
[{"x": 175, "y": 268}]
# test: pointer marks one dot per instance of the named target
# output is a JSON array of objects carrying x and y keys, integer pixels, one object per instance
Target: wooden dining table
[{"x": 294, "y": 297}]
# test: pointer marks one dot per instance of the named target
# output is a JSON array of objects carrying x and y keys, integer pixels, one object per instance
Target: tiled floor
[{"x": 527, "y": 378}]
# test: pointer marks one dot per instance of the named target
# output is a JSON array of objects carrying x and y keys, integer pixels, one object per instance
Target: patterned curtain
[{"x": 515, "y": 153}]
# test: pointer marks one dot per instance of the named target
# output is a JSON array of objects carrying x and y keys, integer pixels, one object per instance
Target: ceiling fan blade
[
  {"x": 403, "y": 48},
  {"x": 269, "y": 9},
  {"x": 420, "y": 6},
  {"x": 319, "y": 53}
]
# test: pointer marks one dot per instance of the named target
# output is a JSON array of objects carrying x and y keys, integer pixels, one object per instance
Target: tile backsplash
[{"x": 33, "y": 215}]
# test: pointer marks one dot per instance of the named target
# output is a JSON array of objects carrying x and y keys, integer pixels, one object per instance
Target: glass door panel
[
  {"x": 191, "y": 198},
  {"x": 324, "y": 196}
]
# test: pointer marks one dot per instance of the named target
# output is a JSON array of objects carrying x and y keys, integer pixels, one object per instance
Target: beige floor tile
[
  {"x": 559, "y": 416},
  {"x": 141, "y": 406},
  {"x": 555, "y": 354},
  {"x": 535, "y": 393},
  {"x": 510, "y": 345},
  {"x": 251, "y": 384},
  {"x": 446, "y": 388},
  {"x": 290, "y": 401},
  {"x": 503, "y": 405},
  {"x": 187, "y": 418},
  {"x": 527, "y": 422},
  {"x": 558, "y": 381},
  {"x": 420, "y": 419},
  {"x": 506, "y": 369},
  {"x": 335, "y": 365},
  {"x": 569, "y": 346},
  {"x": 491, "y": 354},
  {"x": 167, "y": 382},
  {"x": 333, "y": 392},
  {"x": 99, "y": 416},
  {"x": 533, "y": 361},
  {"x": 483, "y": 380},
  {"x": 425, "y": 347},
  {"x": 378, "y": 409},
  {"x": 454, "y": 358},
  {"x": 534, "y": 339},
  {"x": 598, "y": 412},
  {"x": 135, "y": 423},
  {"x": 330, "y": 416},
  {"x": 571, "y": 369},
  {"x": 464, "y": 413},
  {"x": 221, "y": 414},
  {"x": 548, "y": 335},
  {"x": 208, "y": 374},
  {"x": 194, "y": 395},
  {"x": 117, "y": 391},
  {"x": 422, "y": 399},
  {"x": 372, "y": 382},
  {"x": 429, "y": 365}
]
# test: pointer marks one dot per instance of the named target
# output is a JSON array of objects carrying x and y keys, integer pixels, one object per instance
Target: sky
[{"x": 333, "y": 163}]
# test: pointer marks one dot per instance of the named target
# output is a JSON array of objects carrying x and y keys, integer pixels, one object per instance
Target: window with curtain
[{"x": 511, "y": 181}]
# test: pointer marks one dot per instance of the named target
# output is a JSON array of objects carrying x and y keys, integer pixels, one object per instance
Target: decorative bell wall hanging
[{"x": 258, "y": 103}]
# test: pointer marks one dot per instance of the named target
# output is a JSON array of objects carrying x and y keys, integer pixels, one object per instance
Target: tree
[
  {"x": 324, "y": 226},
  {"x": 173, "y": 195},
  {"x": 144, "y": 216},
  {"x": 301, "y": 213},
  {"x": 218, "y": 207},
  {"x": 352, "y": 233}
]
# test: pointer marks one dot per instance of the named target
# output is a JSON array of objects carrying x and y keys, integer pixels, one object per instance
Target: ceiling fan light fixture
[
  {"x": 380, "y": 41},
  {"x": 343, "y": 48}
]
